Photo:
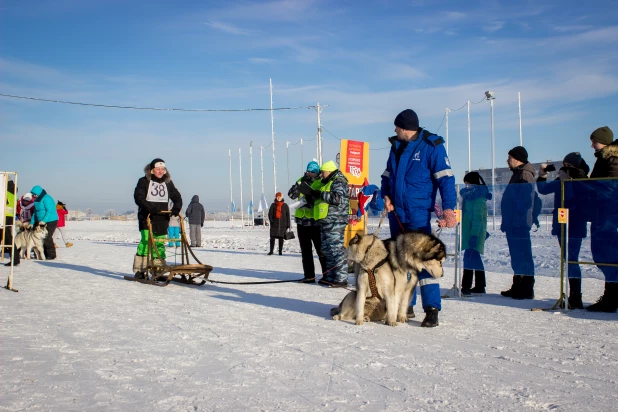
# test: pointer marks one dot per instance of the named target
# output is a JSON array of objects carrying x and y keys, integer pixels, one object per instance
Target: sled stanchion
[{"x": 455, "y": 291}]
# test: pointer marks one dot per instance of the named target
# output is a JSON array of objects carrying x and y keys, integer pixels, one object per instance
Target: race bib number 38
[{"x": 157, "y": 192}]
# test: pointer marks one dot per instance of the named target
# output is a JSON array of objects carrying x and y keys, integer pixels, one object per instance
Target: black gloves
[
  {"x": 306, "y": 190},
  {"x": 175, "y": 212}
]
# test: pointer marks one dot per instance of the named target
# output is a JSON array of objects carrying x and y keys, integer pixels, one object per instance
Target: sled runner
[{"x": 159, "y": 273}]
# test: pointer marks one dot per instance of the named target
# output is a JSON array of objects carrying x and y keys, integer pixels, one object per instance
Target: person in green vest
[
  {"x": 330, "y": 210},
  {"x": 306, "y": 226}
]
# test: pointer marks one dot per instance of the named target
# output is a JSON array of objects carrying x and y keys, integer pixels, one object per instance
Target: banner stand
[{"x": 4, "y": 179}]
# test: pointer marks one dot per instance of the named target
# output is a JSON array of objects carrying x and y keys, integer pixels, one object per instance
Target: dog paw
[
  {"x": 336, "y": 317},
  {"x": 402, "y": 319},
  {"x": 390, "y": 323},
  {"x": 359, "y": 322}
]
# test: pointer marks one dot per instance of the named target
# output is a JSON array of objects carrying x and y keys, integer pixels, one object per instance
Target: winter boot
[
  {"x": 526, "y": 288},
  {"x": 272, "y": 246},
  {"x": 479, "y": 281},
  {"x": 431, "y": 318},
  {"x": 69, "y": 244},
  {"x": 140, "y": 268},
  {"x": 575, "y": 293},
  {"x": 514, "y": 287},
  {"x": 410, "y": 312},
  {"x": 55, "y": 246},
  {"x": 609, "y": 301},
  {"x": 466, "y": 282}
]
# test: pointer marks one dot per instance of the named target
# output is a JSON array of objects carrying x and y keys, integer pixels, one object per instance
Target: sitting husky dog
[
  {"x": 410, "y": 253},
  {"x": 370, "y": 255},
  {"x": 30, "y": 237}
]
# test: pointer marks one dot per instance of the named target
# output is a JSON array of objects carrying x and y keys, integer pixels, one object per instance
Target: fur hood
[
  {"x": 166, "y": 177},
  {"x": 611, "y": 150}
]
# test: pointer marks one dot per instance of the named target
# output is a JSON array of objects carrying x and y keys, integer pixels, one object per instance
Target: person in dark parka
[
  {"x": 517, "y": 206},
  {"x": 196, "y": 215},
  {"x": 152, "y": 195},
  {"x": 573, "y": 167},
  {"x": 604, "y": 216},
  {"x": 279, "y": 218}
]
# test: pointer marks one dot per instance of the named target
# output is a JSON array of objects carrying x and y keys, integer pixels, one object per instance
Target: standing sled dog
[
  {"x": 30, "y": 237},
  {"x": 389, "y": 269}
]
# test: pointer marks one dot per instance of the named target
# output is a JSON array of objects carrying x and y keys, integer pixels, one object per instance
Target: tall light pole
[
  {"x": 242, "y": 212},
  {"x": 469, "y": 145},
  {"x": 272, "y": 128},
  {"x": 521, "y": 138},
  {"x": 446, "y": 115},
  {"x": 251, "y": 180},
  {"x": 491, "y": 97},
  {"x": 320, "y": 108},
  {"x": 231, "y": 198}
]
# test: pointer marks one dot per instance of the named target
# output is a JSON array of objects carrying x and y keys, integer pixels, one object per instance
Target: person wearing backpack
[
  {"x": 573, "y": 167},
  {"x": 517, "y": 206}
]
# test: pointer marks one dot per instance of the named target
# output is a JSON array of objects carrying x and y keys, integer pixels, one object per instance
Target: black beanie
[
  {"x": 407, "y": 120},
  {"x": 519, "y": 153},
  {"x": 603, "y": 135},
  {"x": 474, "y": 178},
  {"x": 155, "y": 161},
  {"x": 573, "y": 158}
]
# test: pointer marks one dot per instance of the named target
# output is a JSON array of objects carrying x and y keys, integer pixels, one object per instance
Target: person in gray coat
[{"x": 195, "y": 213}]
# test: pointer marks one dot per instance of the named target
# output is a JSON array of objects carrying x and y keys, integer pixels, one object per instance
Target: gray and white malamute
[
  {"x": 391, "y": 261},
  {"x": 30, "y": 237}
]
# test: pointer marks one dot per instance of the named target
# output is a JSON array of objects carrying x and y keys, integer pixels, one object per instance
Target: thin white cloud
[
  {"x": 570, "y": 28},
  {"x": 401, "y": 71},
  {"x": 228, "y": 28},
  {"x": 493, "y": 26},
  {"x": 261, "y": 60}
]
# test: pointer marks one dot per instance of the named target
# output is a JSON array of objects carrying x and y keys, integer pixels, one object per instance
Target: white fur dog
[{"x": 30, "y": 237}]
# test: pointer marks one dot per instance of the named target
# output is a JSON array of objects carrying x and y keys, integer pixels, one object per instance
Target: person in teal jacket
[
  {"x": 45, "y": 212},
  {"x": 474, "y": 231}
]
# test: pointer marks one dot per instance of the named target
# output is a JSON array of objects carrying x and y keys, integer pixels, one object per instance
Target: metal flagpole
[
  {"x": 469, "y": 148},
  {"x": 251, "y": 181},
  {"x": 302, "y": 163},
  {"x": 242, "y": 207},
  {"x": 231, "y": 198},
  {"x": 521, "y": 139},
  {"x": 446, "y": 130},
  {"x": 287, "y": 159},
  {"x": 272, "y": 128},
  {"x": 262, "y": 170}
]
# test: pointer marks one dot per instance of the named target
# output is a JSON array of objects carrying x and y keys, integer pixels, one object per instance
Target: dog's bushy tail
[{"x": 417, "y": 247}]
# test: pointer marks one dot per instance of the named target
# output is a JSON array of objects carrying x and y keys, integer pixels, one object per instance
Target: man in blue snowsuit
[{"x": 417, "y": 167}]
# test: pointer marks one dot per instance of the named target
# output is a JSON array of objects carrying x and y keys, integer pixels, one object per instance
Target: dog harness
[{"x": 372, "y": 278}]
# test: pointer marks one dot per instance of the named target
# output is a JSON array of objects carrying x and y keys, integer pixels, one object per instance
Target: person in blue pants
[{"x": 417, "y": 168}]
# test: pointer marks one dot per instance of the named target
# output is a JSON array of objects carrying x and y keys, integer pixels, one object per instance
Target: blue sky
[{"x": 366, "y": 60}]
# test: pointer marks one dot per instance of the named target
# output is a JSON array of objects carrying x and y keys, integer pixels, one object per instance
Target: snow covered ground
[{"x": 79, "y": 337}]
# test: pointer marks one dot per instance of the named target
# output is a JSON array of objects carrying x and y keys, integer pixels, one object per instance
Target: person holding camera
[
  {"x": 573, "y": 167},
  {"x": 306, "y": 226},
  {"x": 152, "y": 195},
  {"x": 331, "y": 208}
]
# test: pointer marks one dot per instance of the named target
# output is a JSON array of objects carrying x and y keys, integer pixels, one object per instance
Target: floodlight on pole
[{"x": 491, "y": 97}]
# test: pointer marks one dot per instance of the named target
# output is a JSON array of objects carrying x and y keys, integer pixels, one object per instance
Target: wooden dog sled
[{"x": 159, "y": 273}]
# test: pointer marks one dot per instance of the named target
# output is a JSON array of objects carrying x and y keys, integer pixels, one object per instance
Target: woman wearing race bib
[{"x": 152, "y": 194}]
